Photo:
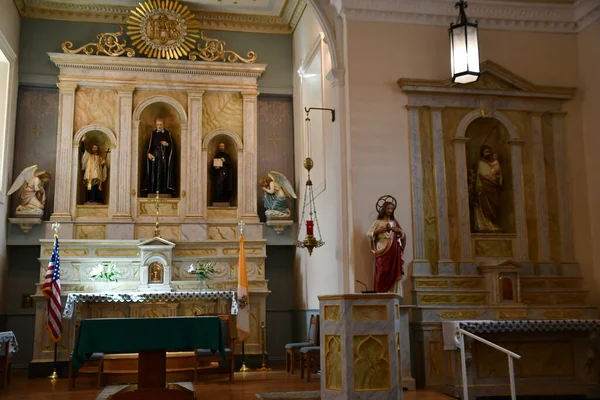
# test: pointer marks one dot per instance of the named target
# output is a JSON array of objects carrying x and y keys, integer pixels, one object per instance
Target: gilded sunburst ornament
[{"x": 163, "y": 29}]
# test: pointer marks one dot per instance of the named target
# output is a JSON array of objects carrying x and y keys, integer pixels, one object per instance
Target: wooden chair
[
  {"x": 209, "y": 356},
  {"x": 309, "y": 358},
  {"x": 93, "y": 365},
  {"x": 291, "y": 349}
]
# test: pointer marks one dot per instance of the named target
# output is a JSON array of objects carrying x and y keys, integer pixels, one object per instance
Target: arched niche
[
  {"x": 106, "y": 141},
  {"x": 234, "y": 148},
  {"x": 175, "y": 121},
  {"x": 493, "y": 133}
]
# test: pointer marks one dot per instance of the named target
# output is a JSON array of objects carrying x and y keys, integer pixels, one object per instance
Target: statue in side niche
[
  {"x": 32, "y": 194},
  {"x": 93, "y": 166},
  {"x": 277, "y": 191}
]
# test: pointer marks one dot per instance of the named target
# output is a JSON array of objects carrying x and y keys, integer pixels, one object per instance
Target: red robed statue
[{"x": 387, "y": 243}]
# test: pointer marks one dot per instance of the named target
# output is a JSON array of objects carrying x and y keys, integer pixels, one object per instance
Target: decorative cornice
[
  {"x": 505, "y": 15},
  {"x": 134, "y": 64},
  {"x": 285, "y": 23}
]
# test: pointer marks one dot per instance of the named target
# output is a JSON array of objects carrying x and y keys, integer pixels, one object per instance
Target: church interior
[{"x": 299, "y": 199}]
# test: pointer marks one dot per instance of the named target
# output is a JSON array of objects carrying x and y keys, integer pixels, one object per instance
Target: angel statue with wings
[
  {"x": 277, "y": 190},
  {"x": 32, "y": 195}
]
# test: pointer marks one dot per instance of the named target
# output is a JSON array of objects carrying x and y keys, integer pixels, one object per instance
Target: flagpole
[
  {"x": 54, "y": 374},
  {"x": 243, "y": 298}
]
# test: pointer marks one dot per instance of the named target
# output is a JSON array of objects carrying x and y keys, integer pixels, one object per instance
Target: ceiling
[
  {"x": 281, "y": 16},
  {"x": 256, "y": 7},
  {"x": 266, "y": 16}
]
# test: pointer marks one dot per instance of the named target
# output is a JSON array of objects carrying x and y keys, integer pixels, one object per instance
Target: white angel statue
[
  {"x": 32, "y": 195},
  {"x": 277, "y": 190}
]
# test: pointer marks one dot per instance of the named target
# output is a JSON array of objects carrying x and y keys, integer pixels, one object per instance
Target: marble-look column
[
  {"x": 569, "y": 267},
  {"x": 122, "y": 190},
  {"x": 521, "y": 247},
  {"x": 541, "y": 199},
  {"x": 196, "y": 169},
  {"x": 445, "y": 263},
  {"x": 462, "y": 189},
  {"x": 64, "y": 155},
  {"x": 248, "y": 203},
  {"x": 420, "y": 263}
]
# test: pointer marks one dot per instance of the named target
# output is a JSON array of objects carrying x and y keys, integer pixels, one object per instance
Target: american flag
[{"x": 51, "y": 289}]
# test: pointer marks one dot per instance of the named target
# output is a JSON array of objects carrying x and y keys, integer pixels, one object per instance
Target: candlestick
[{"x": 264, "y": 353}]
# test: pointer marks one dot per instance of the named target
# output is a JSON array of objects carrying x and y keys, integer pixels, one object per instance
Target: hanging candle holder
[{"x": 310, "y": 241}]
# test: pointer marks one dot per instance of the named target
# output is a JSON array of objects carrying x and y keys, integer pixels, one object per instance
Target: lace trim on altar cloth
[
  {"x": 13, "y": 345},
  {"x": 74, "y": 298},
  {"x": 489, "y": 326}
]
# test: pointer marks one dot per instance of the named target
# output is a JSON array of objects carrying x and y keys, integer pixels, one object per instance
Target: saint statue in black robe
[
  {"x": 159, "y": 165},
  {"x": 222, "y": 176}
]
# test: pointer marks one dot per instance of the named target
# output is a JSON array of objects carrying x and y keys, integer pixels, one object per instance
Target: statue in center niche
[
  {"x": 160, "y": 161},
  {"x": 486, "y": 193},
  {"x": 222, "y": 176}
]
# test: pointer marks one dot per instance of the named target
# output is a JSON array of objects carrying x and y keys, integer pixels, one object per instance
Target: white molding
[{"x": 504, "y": 15}]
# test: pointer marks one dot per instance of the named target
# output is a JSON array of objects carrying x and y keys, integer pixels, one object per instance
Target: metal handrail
[{"x": 461, "y": 337}]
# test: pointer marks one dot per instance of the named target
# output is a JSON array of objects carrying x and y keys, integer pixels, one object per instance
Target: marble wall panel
[
  {"x": 522, "y": 122},
  {"x": 551, "y": 187},
  {"x": 333, "y": 362},
  {"x": 88, "y": 232},
  {"x": 275, "y": 142},
  {"x": 139, "y": 96},
  {"x": 95, "y": 106},
  {"x": 169, "y": 232},
  {"x": 35, "y": 138},
  {"x": 451, "y": 117},
  {"x": 222, "y": 110},
  {"x": 429, "y": 200}
]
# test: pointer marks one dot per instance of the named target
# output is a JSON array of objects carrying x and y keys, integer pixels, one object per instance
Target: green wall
[{"x": 39, "y": 36}]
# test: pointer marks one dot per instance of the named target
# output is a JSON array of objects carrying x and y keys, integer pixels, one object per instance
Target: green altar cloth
[{"x": 133, "y": 335}]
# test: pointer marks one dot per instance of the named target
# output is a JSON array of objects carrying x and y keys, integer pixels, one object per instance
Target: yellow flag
[{"x": 243, "y": 316}]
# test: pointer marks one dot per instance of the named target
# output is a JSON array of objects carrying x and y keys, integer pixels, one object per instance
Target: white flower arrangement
[
  {"x": 202, "y": 269},
  {"x": 106, "y": 271}
]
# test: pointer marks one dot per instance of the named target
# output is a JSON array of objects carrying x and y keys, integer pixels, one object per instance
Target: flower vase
[
  {"x": 108, "y": 285},
  {"x": 202, "y": 285}
]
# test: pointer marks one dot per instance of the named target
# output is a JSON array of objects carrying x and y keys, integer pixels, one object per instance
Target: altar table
[{"x": 151, "y": 338}]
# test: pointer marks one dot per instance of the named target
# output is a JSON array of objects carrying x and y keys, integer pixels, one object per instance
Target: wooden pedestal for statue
[{"x": 365, "y": 349}]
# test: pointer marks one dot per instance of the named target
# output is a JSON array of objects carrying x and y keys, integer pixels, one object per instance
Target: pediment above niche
[
  {"x": 156, "y": 241},
  {"x": 493, "y": 80}
]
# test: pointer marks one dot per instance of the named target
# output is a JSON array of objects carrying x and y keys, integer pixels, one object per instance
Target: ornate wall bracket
[
  {"x": 279, "y": 225},
  {"x": 26, "y": 224}
]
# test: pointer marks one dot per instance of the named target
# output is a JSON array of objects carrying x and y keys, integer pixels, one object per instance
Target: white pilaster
[
  {"x": 541, "y": 199},
  {"x": 445, "y": 263},
  {"x": 420, "y": 264},
  {"x": 564, "y": 215},
  {"x": 337, "y": 78},
  {"x": 196, "y": 168},
  {"x": 248, "y": 198},
  {"x": 121, "y": 192},
  {"x": 521, "y": 245},
  {"x": 64, "y": 153},
  {"x": 462, "y": 189}
]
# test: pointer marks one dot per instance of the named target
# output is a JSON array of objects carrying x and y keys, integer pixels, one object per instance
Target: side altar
[{"x": 143, "y": 141}]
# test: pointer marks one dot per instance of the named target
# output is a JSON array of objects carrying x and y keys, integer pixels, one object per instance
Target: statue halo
[{"x": 385, "y": 199}]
